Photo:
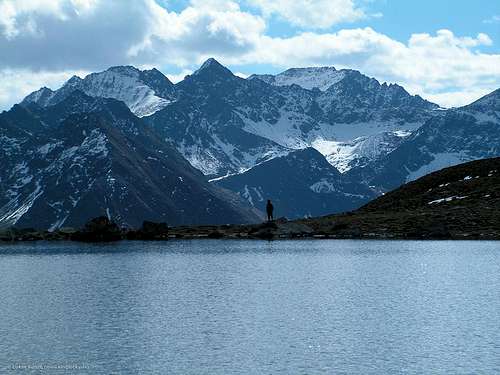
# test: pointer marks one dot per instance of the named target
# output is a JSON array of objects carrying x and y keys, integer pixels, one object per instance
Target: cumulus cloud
[
  {"x": 179, "y": 76},
  {"x": 441, "y": 66},
  {"x": 455, "y": 98},
  {"x": 203, "y": 29},
  {"x": 70, "y": 34},
  {"x": 51, "y": 39},
  {"x": 318, "y": 14}
]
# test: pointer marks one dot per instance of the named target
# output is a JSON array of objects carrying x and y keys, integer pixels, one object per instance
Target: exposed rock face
[
  {"x": 84, "y": 156},
  {"x": 115, "y": 142},
  {"x": 453, "y": 137},
  {"x": 301, "y": 184},
  {"x": 144, "y": 92},
  {"x": 224, "y": 124}
]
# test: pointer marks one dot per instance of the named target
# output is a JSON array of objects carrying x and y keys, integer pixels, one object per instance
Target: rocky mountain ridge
[
  {"x": 375, "y": 136},
  {"x": 224, "y": 124},
  {"x": 84, "y": 157}
]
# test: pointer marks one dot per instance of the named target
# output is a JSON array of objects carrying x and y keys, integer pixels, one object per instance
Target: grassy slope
[{"x": 407, "y": 213}]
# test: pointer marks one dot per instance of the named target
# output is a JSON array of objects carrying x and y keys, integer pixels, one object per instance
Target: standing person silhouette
[{"x": 269, "y": 210}]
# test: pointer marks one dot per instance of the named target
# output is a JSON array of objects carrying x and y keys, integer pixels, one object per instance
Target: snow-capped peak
[
  {"x": 124, "y": 83},
  {"x": 41, "y": 96},
  {"x": 73, "y": 81},
  {"x": 308, "y": 78},
  {"x": 127, "y": 70}
]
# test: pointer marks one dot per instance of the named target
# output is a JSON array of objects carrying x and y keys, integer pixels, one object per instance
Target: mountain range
[
  {"x": 83, "y": 157},
  {"x": 213, "y": 147}
]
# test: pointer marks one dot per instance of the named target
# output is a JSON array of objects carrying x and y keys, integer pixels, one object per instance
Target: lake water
[{"x": 250, "y": 307}]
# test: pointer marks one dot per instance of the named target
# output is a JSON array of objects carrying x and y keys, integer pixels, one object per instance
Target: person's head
[{"x": 268, "y": 201}]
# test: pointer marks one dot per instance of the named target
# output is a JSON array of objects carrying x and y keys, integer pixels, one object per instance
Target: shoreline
[{"x": 277, "y": 230}]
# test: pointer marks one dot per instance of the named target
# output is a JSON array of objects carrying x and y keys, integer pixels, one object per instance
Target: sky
[{"x": 447, "y": 51}]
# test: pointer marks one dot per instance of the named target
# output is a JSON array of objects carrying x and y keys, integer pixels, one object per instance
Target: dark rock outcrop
[
  {"x": 99, "y": 229},
  {"x": 149, "y": 231}
]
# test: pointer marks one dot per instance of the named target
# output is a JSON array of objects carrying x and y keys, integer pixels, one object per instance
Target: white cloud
[
  {"x": 180, "y": 76},
  {"x": 241, "y": 75},
  {"x": 59, "y": 37},
  {"x": 430, "y": 65},
  {"x": 311, "y": 14},
  {"x": 22, "y": 16},
  {"x": 70, "y": 34},
  {"x": 204, "y": 29},
  {"x": 455, "y": 99}
]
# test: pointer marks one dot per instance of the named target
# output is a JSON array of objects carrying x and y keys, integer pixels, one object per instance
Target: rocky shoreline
[
  {"x": 457, "y": 203},
  {"x": 343, "y": 226}
]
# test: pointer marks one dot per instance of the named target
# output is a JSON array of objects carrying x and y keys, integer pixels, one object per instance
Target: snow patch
[
  {"x": 448, "y": 199},
  {"x": 307, "y": 78},
  {"x": 323, "y": 186},
  {"x": 11, "y": 212}
]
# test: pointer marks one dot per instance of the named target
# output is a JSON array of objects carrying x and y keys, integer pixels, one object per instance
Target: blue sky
[{"x": 446, "y": 51}]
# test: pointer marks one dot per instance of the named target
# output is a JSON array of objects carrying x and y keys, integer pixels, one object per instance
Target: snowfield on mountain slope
[
  {"x": 308, "y": 78},
  {"x": 349, "y": 154},
  {"x": 140, "y": 98},
  {"x": 122, "y": 83},
  {"x": 343, "y": 145}
]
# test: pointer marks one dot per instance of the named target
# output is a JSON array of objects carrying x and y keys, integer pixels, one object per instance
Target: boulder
[{"x": 99, "y": 229}]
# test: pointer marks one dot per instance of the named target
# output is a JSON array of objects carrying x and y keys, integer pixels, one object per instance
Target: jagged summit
[
  {"x": 155, "y": 75},
  {"x": 123, "y": 69},
  {"x": 41, "y": 97},
  {"x": 212, "y": 68},
  {"x": 210, "y": 63},
  {"x": 144, "y": 92},
  {"x": 73, "y": 81}
]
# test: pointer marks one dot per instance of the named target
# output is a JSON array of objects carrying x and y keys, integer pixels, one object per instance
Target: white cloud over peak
[
  {"x": 52, "y": 38},
  {"x": 179, "y": 76},
  {"x": 311, "y": 14},
  {"x": 203, "y": 29}
]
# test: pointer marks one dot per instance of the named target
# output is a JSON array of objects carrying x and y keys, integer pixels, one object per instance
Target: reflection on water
[{"x": 250, "y": 307}]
